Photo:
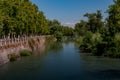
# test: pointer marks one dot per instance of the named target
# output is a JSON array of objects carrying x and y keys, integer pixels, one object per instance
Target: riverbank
[
  {"x": 33, "y": 45},
  {"x": 61, "y": 61}
]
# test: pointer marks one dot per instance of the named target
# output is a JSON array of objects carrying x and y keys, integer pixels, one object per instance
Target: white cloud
[{"x": 70, "y": 24}]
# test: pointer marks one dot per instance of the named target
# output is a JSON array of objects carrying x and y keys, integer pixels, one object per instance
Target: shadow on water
[
  {"x": 61, "y": 61},
  {"x": 110, "y": 74},
  {"x": 56, "y": 46}
]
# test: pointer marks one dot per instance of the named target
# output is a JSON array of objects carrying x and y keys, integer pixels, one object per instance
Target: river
[{"x": 61, "y": 61}]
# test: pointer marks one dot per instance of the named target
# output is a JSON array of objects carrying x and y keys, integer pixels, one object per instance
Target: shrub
[
  {"x": 99, "y": 48},
  {"x": 101, "y": 44},
  {"x": 58, "y": 35},
  {"x": 12, "y": 57},
  {"x": 92, "y": 43},
  {"x": 78, "y": 40},
  {"x": 86, "y": 45},
  {"x": 25, "y": 53},
  {"x": 108, "y": 47},
  {"x": 50, "y": 39}
]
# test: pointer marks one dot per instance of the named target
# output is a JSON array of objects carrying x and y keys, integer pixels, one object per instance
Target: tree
[
  {"x": 107, "y": 42},
  {"x": 81, "y": 27},
  {"x": 53, "y": 24},
  {"x": 21, "y": 17},
  {"x": 113, "y": 19},
  {"x": 95, "y": 22}
]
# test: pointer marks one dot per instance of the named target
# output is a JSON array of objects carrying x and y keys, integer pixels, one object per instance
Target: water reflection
[
  {"x": 56, "y": 46},
  {"x": 61, "y": 61}
]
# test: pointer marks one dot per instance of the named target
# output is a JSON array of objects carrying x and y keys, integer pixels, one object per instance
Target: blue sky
[{"x": 69, "y": 12}]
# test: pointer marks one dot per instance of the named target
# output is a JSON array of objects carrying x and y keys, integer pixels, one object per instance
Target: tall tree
[
  {"x": 21, "y": 17},
  {"x": 81, "y": 27},
  {"x": 95, "y": 22},
  {"x": 114, "y": 17}
]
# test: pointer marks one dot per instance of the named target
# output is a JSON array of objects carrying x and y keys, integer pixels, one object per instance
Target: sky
[{"x": 69, "y": 12}]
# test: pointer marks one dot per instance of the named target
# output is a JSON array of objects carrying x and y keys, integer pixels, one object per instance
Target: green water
[{"x": 61, "y": 61}]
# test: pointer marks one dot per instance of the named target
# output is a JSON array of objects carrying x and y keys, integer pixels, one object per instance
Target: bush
[
  {"x": 99, "y": 48},
  {"x": 50, "y": 38},
  {"x": 92, "y": 43},
  {"x": 97, "y": 44},
  {"x": 108, "y": 47},
  {"x": 101, "y": 44},
  {"x": 58, "y": 35},
  {"x": 12, "y": 57},
  {"x": 25, "y": 53},
  {"x": 86, "y": 44},
  {"x": 78, "y": 40}
]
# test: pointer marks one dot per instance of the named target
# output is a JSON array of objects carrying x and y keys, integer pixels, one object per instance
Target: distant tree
[
  {"x": 81, "y": 27},
  {"x": 53, "y": 25},
  {"x": 68, "y": 31}
]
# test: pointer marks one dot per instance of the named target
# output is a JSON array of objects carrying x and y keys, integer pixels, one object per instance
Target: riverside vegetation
[
  {"x": 14, "y": 57},
  {"x": 22, "y": 18},
  {"x": 102, "y": 38}
]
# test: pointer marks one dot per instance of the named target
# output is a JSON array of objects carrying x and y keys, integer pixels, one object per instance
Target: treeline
[
  {"x": 22, "y": 17},
  {"x": 98, "y": 37},
  {"x": 59, "y": 30}
]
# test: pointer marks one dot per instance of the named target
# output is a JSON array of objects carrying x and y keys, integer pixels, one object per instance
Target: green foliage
[
  {"x": 25, "y": 53},
  {"x": 21, "y": 17},
  {"x": 86, "y": 44},
  {"x": 81, "y": 28},
  {"x": 50, "y": 39},
  {"x": 78, "y": 40},
  {"x": 93, "y": 24},
  {"x": 101, "y": 44},
  {"x": 113, "y": 48},
  {"x": 58, "y": 35},
  {"x": 114, "y": 17},
  {"x": 59, "y": 30},
  {"x": 101, "y": 40},
  {"x": 12, "y": 57}
]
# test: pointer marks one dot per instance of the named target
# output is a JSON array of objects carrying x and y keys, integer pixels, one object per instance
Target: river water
[{"x": 61, "y": 61}]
